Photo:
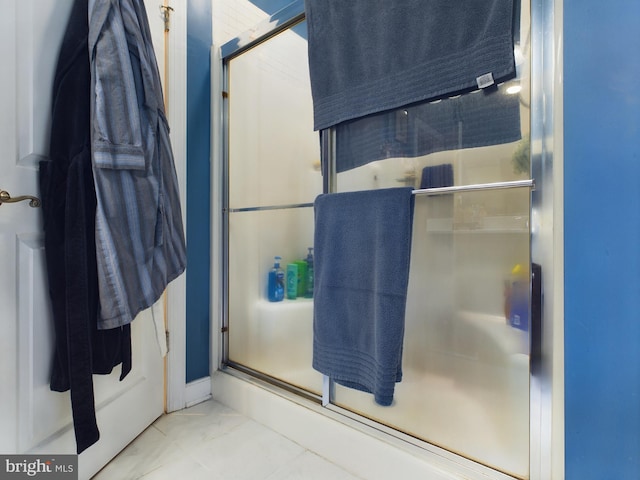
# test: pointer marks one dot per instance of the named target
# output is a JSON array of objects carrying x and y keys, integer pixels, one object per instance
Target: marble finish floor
[{"x": 213, "y": 442}]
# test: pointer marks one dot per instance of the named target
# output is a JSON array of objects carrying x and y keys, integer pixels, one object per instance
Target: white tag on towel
[{"x": 485, "y": 80}]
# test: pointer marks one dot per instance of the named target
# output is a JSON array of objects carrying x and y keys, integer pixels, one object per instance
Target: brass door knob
[{"x": 6, "y": 198}]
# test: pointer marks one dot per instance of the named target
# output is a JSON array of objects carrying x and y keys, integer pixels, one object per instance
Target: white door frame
[{"x": 176, "y": 304}]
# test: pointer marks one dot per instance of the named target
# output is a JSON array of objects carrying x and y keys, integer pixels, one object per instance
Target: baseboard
[{"x": 198, "y": 391}]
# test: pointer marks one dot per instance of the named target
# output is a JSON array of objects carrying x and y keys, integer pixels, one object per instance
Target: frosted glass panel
[
  {"x": 274, "y": 152},
  {"x": 273, "y": 165},
  {"x": 466, "y": 366},
  {"x": 272, "y": 338},
  {"x": 465, "y": 384}
]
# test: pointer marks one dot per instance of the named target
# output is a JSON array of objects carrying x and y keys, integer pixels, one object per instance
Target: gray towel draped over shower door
[
  {"x": 367, "y": 56},
  {"x": 477, "y": 119}
]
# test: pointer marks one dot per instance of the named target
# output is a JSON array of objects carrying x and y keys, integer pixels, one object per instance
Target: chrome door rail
[
  {"x": 476, "y": 187},
  {"x": 276, "y": 23},
  {"x": 270, "y": 207}
]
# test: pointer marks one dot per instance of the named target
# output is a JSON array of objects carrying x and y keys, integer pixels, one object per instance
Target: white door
[{"x": 34, "y": 419}]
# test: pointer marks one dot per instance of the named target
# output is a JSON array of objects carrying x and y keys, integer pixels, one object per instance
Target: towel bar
[
  {"x": 475, "y": 187},
  {"x": 423, "y": 191},
  {"x": 270, "y": 207}
]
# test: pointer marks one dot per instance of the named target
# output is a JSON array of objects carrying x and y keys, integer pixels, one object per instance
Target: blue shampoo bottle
[{"x": 275, "y": 284}]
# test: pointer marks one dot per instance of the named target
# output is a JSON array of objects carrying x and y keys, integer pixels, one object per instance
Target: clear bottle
[
  {"x": 275, "y": 284},
  {"x": 309, "y": 293}
]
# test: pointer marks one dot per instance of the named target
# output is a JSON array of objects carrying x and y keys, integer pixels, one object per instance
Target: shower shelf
[
  {"x": 301, "y": 302},
  {"x": 284, "y": 311}
]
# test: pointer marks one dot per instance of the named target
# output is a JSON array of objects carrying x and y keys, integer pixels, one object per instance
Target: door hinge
[
  {"x": 166, "y": 333},
  {"x": 224, "y": 329}
]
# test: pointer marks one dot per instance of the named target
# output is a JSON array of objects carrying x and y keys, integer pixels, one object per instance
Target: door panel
[
  {"x": 33, "y": 418},
  {"x": 274, "y": 176},
  {"x": 40, "y": 411}
]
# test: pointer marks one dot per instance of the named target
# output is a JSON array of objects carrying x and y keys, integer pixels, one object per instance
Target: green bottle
[
  {"x": 302, "y": 277},
  {"x": 292, "y": 281},
  {"x": 309, "y": 292}
]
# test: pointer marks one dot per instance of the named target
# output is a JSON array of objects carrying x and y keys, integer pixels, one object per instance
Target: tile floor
[{"x": 211, "y": 441}]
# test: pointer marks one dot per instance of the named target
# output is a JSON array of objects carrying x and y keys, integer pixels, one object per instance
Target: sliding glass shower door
[
  {"x": 465, "y": 384},
  {"x": 469, "y": 321}
]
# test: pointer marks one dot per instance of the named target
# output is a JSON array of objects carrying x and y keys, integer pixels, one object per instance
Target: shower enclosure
[{"x": 472, "y": 331}]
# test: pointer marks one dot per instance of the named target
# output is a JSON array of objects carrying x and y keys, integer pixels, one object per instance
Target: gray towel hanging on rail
[
  {"x": 362, "y": 252},
  {"x": 476, "y": 119},
  {"x": 367, "y": 56}
]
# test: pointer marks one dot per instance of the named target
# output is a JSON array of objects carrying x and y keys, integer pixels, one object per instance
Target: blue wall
[
  {"x": 198, "y": 187},
  {"x": 602, "y": 238}
]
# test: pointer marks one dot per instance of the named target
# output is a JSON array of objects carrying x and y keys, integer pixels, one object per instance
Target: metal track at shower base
[{"x": 265, "y": 379}]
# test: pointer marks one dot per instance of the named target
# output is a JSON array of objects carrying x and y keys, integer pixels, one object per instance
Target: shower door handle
[
  {"x": 536, "y": 320},
  {"x": 5, "y": 197}
]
